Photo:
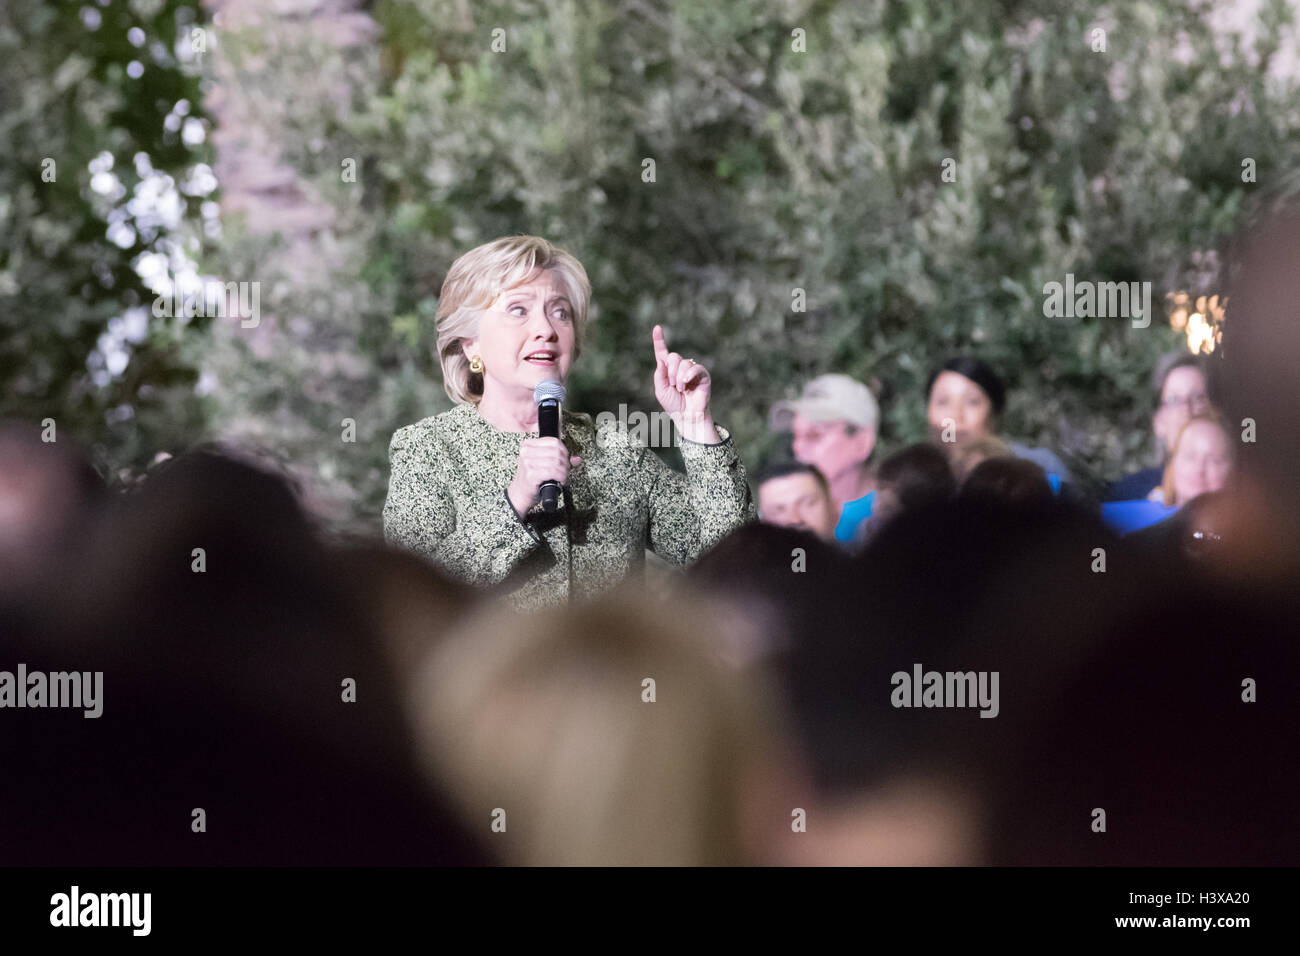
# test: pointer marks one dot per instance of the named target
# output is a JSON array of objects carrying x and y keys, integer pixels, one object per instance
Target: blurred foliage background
[
  {"x": 342, "y": 154},
  {"x": 71, "y": 116}
]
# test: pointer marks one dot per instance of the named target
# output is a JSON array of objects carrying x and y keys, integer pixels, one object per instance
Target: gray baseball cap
[{"x": 828, "y": 398}]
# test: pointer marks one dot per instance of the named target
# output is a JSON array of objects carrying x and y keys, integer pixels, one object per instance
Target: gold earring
[{"x": 476, "y": 365}]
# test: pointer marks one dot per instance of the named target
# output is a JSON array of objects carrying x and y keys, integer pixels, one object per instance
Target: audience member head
[
  {"x": 979, "y": 593},
  {"x": 1196, "y": 539},
  {"x": 776, "y": 589},
  {"x": 1158, "y": 750},
  {"x": 965, "y": 396},
  {"x": 1261, "y": 393},
  {"x": 1200, "y": 460},
  {"x": 966, "y": 457},
  {"x": 410, "y": 603},
  {"x": 48, "y": 491},
  {"x": 607, "y": 733},
  {"x": 1011, "y": 481},
  {"x": 912, "y": 477},
  {"x": 1180, "y": 390},
  {"x": 240, "y": 677},
  {"x": 834, "y": 423},
  {"x": 795, "y": 495}
]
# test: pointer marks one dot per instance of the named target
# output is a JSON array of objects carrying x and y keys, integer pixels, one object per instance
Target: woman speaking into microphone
[{"x": 465, "y": 488}]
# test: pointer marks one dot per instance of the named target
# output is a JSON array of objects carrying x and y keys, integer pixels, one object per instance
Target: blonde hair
[
  {"x": 1167, "y": 491},
  {"x": 473, "y": 283},
  {"x": 545, "y": 716}
]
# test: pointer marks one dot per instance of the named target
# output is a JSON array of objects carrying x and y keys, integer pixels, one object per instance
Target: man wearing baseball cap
[{"x": 834, "y": 423}]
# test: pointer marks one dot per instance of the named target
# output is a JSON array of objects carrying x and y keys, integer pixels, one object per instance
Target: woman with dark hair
[{"x": 965, "y": 398}]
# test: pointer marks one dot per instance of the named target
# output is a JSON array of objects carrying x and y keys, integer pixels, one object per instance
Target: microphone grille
[{"x": 547, "y": 390}]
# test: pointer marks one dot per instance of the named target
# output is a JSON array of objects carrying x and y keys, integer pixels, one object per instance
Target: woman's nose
[{"x": 542, "y": 326}]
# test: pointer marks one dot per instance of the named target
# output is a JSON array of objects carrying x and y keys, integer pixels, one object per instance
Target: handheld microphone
[{"x": 548, "y": 396}]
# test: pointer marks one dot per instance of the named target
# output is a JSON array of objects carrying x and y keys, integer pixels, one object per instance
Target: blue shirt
[
  {"x": 859, "y": 510},
  {"x": 1044, "y": 459},
  {"x": 1135, "y": 486},
  {"x": 854, "y": 513},
  {"x": 1128, "y": 516}
]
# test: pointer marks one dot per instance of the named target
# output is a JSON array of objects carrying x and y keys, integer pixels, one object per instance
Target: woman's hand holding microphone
[{"x": 540, "y": 460}]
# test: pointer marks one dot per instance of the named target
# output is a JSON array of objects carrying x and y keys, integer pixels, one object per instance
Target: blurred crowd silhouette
[{"x": 346, "y": 704}]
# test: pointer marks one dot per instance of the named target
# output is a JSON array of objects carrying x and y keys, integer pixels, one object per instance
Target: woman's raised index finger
[{"x": 661, "y": 347}]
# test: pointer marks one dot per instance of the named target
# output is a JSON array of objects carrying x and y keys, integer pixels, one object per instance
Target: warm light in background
[{"x": 1202, "y": 320}]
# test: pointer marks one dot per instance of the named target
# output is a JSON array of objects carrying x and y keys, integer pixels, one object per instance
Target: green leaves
[
  {"x": 66, "y": 97},
  {"x": 775, "y": 170}
]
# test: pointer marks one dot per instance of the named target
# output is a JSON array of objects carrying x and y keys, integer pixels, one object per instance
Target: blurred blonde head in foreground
[{"x": 552, "y": 718}]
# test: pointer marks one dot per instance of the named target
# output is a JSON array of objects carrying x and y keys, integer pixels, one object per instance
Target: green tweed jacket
[{"x": 447, "y": 501}]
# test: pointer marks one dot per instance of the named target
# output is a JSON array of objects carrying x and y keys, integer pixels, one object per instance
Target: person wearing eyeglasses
[
  {"x": 1179, "y": 391},
  {"x": 1201, "y": 461},
  {"x": 1194, "y": 495}
]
